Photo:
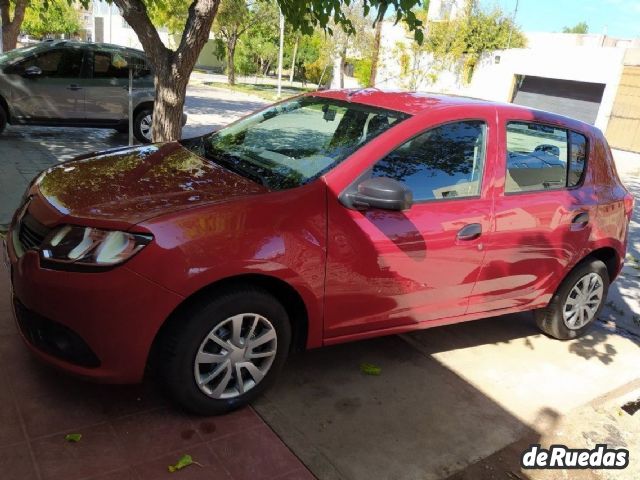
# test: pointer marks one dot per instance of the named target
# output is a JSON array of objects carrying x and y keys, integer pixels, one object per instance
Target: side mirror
[
  {"x": 379, "y": 192},
  {"x": 32, "y": 72}
]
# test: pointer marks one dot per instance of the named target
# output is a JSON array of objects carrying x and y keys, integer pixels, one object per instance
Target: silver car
[{"x": 73, "y": 84}]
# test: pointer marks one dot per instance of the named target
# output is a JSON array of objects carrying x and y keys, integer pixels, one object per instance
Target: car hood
[{"x": 134, "y": 184}]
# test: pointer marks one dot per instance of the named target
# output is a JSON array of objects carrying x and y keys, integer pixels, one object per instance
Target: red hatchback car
[{"x": 327, "y": 218}]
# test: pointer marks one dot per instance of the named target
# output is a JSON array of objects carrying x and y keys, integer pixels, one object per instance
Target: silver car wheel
[
  {"x": 235, "y": 356},
  {"x": 583, "y": 301},
  {"x": 145, "y": 126}
]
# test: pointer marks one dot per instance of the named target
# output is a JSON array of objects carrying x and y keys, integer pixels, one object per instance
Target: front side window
[
  {"x": 443, "y": 162},
  {"x": 294, "y": 142},
  {"x": 58, "y": 63},
  {"x": 542, "y": 157}
]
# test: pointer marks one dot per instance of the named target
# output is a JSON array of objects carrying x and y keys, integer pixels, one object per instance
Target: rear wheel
[
  {"x": 223, "y": 353},
  {"x": 577, "y": 302},
  {"x": 142, "y": 125}
]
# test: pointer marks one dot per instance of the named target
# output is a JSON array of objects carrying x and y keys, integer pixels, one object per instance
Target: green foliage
[
  {"x": 362, "y": 70},
  {"x": 171, "y": 14},
  {"x": 43, "y": 17},
  {"x": 308, "y": 15},
  {"x": 183, "y": 461},
  {"x": 580, "y": 27},
  {"x": 461, "y": 42},
  {"x": 73, "y": 437}
]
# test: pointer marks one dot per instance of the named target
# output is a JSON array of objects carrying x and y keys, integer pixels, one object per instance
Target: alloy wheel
[
  {"x": 235, "y": 356},
  {"x": 145, "y": 126},
  {"x": 583, "y": 301}
]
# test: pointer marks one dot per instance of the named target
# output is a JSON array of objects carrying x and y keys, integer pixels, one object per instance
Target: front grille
[
  {"x": 31, "y": 233},
  {"x": 54, "y": 338}
]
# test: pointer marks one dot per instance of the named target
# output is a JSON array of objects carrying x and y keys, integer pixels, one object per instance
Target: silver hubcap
[
  {"x": 583, "y": 301},
  {"x": 235, "y": 356},
  {"x": 145, "y": 126}
]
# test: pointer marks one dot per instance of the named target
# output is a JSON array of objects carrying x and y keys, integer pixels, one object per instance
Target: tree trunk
[
  {"x": 293, "y": 60},
  {"x": 375, "y": 54},
  {"x": 343, "y": 64},
  {"x": 172, "y": 69},
  {"x": 11, "y": 27},
  {"x": 231, "y": 63}
]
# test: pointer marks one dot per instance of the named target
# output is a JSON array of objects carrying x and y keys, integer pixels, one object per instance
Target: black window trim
[
  {"x": 353, "y": 185},
  {"x": 556, "y": 126}
]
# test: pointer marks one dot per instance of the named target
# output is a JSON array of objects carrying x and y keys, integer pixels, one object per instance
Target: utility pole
[
  {"x": 280, "y": 54},
  {"x": 513, "y": 21},
  {"x": 1, "y": 44}
]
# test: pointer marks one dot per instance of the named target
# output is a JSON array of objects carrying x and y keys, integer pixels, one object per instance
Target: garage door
[{"x": 579, "y": 100}]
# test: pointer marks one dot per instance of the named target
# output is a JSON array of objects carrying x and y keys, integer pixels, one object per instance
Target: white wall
[
  {"x": 116, "y": 29},
  {"x": 579, "y": 59}
]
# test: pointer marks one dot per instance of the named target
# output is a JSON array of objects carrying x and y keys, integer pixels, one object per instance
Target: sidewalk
[{"x": 128, "y": 432}]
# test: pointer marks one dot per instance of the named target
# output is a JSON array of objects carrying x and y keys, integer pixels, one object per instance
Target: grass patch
[{"x": 268, "y": 92}]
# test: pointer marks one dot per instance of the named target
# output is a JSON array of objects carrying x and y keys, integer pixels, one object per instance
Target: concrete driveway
[{"x": 463, "y": 400}]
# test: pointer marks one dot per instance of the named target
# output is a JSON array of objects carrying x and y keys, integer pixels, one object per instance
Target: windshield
[
  {"x": 17, "y": 54},
  {"x": 292, "y": 143}
]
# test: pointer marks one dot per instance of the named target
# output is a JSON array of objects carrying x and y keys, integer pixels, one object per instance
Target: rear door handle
[
  {"x": 581, "y": 220},
  {"x": 469, "y": 232},
  {"x": 74, "y": 87}
]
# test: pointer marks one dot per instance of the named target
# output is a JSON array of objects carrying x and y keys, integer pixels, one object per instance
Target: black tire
[
  {"x": 181, "y": 341},
  {"x": 551, "y": 320},
  {"x": 3, "y": 119},
  {"x": 137, "y": 125}
]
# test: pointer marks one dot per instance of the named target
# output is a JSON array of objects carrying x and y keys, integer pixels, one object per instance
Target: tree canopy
[
  {"x": 44, "y": 17},
  {"x": 463, "y": 40},
  {"x": 580, "y": 27}
]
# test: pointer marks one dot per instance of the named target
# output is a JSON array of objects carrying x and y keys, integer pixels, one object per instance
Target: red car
[{"x": 327, "y": 218}]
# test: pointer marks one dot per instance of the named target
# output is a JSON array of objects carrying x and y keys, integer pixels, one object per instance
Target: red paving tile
[
  {"x": 10, "y": 426},
  {"x": 208, "y": 466},
  {"x": 255, "y": 454},
  {"x": 16, "y": 464},
  {"x": 98, "y": 451},
  {"x": 152, "y": 434},
  {"x": 129, "y": 432}
]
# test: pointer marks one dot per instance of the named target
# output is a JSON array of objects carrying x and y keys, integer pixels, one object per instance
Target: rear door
[
  {"x": 56, "y": 92},
  {"x": 389, "y": 269},
  {"x": 544, "y": 208},
  {"x": 107, "y": 86}
]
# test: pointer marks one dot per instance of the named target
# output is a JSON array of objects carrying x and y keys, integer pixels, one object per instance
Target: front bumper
[{"x": 115, "y": 314}]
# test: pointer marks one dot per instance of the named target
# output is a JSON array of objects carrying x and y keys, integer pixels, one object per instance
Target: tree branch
[
  {"x": 199, "y": 21},
  {"x": 136, "y": 15}
]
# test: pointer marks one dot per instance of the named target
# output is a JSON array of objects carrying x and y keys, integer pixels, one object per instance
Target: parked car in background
[
  {"x": 331, "y": 217},
  {"x": 74, "y": 84}
]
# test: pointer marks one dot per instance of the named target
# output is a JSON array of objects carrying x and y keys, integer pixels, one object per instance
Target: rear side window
[
  {"x": 440, "y": 163},
  {"x": 542, "y": 157},
  {"x": 110, "y": 65}
]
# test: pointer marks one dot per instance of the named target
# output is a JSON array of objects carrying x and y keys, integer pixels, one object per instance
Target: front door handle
[
  {"x": 469, "y": 232},
  {"x": 74, "y": 87}
]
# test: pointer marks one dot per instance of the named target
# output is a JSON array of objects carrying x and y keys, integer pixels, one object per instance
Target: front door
[
  {"x": 543, "y": 214},
  {"x": 389, "y": 269},
  {"x": 53, "y": 94}
]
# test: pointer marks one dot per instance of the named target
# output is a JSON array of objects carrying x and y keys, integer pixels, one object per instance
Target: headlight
[{"x": 92, "y": 246}]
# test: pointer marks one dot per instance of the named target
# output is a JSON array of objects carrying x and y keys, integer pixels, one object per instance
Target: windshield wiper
[{"x": 234, "y": 166}]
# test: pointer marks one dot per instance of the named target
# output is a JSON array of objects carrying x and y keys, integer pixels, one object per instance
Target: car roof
[
  {"x": 419, "y": 103},
  {"x": 92, "y": 46}
]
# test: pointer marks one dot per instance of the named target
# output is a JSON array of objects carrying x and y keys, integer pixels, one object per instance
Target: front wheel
[
  {"x": 142, "y": 125},
  {"x": 577, "y": 303},
  {"x": 223, "y": 353},
  {"x": 3, "y": 119}
]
